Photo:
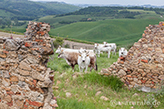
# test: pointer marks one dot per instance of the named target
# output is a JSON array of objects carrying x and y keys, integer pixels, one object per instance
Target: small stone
[
  {"x": 34, "y": 103},
  {"x": 68, "y": 94},
  {"x": 98, "y": 93},
  {"x": 122, "y": 72},
  {"x": 3, "y": 55},
  {"x": 14, "y": 88},
  {"x": 55, "y": 87},
  {"x": 161, "y": 77},
  {"x": 19, "y": 103},
  {"x": 58, "y": 82},
  {"x": 134, "y": 95},
  {"x": 29, "y": 82},
  {"x": 24, "y": 73},
  {"x": 11, "y": 44},
  {"x": 14, "y": 79},
  {"x": 53, "y": 103},
  {"x": 24, "y": 66},
  {"x": 143, "y": 74},
  {"x": 6, "y": 82},
  {"x": 3, "y": 106},
  {"x": 104, "y": 98},
  {"x": 139, "y": 82},
  {"x": 85, "y": 86},
  {"x": 135, "y": 80},
  {"x": 7, "y": 98},
  {"x": 145, "y": 61},
  {"x": 38, "y": 76}
]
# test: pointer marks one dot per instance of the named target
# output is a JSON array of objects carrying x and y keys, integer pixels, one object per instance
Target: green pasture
[
  {"x": 84, "y": 87},
  {"x": 120, "y": 31},
  {"x": 141, "y": 11}
]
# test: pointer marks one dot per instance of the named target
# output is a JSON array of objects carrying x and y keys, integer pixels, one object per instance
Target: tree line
[{"x": 115, "y": 12}]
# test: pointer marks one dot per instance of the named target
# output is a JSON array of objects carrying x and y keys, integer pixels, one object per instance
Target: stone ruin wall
[
  {"x": 25, "y": 80},
  {"x": 144, "y": 63}
]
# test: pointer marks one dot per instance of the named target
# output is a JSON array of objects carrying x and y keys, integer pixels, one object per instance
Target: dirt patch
[
  {"x": 73, "y": 45},
  {"x": 3, "y": 34}
]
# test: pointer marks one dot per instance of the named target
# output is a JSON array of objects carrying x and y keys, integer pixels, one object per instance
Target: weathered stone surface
[
  {"x": 38, "y": 76},
  {"x": 7, "y": 98},
  {"x": 3, "y": 106},
  {"x": 24, "y": 66},
  {"x": 14, "y": 79},
  {"x": 11, "y": 45},
  {"x": 122, "y": 72},
  {"x": 6, "y": 82},
  {"x": 25, "y": 81},
  {"x": 3, "y": 55},
  {"x": 19, "y": 103},
  {"x": 161, "y": 77},
  {"x": 23, "y": 72}
]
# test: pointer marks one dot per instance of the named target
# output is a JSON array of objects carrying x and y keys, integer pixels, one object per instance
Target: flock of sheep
[{"x": 87, "y": 58}]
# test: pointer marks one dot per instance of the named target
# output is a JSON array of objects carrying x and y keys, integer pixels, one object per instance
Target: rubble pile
[
  {"x": 144, "y": 64},
  {"x": 25, "y": 80}
]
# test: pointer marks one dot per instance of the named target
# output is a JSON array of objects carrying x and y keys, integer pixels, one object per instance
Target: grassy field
[
  {"x": 141, "y": 11},
  {"x": 54, "y": 20},
  {"x": 86, "y": 90},
  {"x": 120, "y": 31}
]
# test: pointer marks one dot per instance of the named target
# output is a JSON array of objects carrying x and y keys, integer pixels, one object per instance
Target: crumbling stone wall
[
  {"x": 144, "y": 63},
  {"x": 25, "y": 81}
]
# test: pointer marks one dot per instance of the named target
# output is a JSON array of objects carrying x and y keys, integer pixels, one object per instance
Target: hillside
[
  {"x": 115, "y": 12},
  {"x": 120, "y": 31},
  {"x": 123, "y": 25},
  {"x": 29, "y": 10},
  {"x": 101, "y": 13}
]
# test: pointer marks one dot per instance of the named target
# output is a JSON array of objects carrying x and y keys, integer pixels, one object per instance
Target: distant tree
[
  {"x": 3, "y": 26},
  {"x": 15, "y": 21}
]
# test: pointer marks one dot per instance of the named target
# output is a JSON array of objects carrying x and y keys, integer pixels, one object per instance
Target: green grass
[
  {"x": 74, "y": 104},
  {"x": 119, "y": 31},
  {"x": 141, "y": 11},
  {"x": 84, "y": 86},
  {"x": 52, "y": 19},
  {"x": 17, "y": 29}
]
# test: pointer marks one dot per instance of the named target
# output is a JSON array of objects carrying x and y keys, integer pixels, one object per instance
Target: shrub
[
  {"x": 66, "y": 46},
  {"x": 58, "y": 41}
]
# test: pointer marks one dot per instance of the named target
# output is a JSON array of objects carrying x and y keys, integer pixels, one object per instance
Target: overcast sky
[{"x": 107, "y": 2}]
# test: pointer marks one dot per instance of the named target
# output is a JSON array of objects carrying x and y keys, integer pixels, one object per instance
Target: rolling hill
[
  {"x": 29, "y": 10},
  {"x": 122, "y": 25},
  {"x": 120, "y": 31}
]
